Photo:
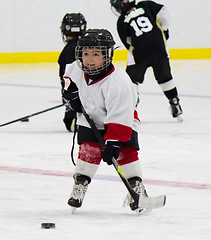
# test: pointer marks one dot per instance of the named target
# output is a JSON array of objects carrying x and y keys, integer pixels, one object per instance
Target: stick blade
[{"x": 152, "y": 202}]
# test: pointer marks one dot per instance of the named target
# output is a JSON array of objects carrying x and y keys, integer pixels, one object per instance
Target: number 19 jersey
[{"x": 141, "y": 30}]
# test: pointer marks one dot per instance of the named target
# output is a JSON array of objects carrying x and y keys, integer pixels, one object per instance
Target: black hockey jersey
[
  {"x": 141, "y": 29},
  {"x": 67, "y": 56}
]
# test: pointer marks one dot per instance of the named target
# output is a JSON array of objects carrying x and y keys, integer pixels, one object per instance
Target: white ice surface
[{"x": 36, "y": 170}]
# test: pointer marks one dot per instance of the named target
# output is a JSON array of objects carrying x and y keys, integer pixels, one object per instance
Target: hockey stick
[
  {"x": 139, "y": 201},
  {"x": 31, "y": 115}
]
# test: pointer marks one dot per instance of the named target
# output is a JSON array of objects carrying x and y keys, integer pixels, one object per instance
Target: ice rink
[{"x": 36, "y": 169}]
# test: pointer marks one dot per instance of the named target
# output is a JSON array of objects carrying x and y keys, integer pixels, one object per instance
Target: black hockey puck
[
  {"x": 24, "y": 120},
  {"x": 48, "y": 225}
]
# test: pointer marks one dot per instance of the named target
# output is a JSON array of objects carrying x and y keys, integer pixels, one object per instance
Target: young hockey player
[
  {"x": 73, "y": 25},
  {"x": 143, "y": 29},
  {"x": 109, "y": 97}
]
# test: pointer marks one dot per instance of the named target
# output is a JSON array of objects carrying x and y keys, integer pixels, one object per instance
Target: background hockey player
[
  {"x": 73, "y": 25},
  {"x": 109, "y": 97},
  {"x": 143, "y": 29}
]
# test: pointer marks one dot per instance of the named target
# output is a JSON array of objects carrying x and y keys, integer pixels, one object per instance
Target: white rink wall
[{"x": 34, "y": 26}]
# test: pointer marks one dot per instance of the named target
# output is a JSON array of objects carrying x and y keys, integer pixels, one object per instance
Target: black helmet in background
[
  {"x": 73, "y": 24},
  {"x": 121, "y": 6}
]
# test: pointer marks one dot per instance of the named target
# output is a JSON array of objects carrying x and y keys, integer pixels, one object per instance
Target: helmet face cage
[
  {"x": 95, "y": 40},
  {"x": 106, "y": 58},
  {"x": 73, "y": 24}
]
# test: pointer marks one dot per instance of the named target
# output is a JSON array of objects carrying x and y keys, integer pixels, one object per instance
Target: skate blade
[
  {"x": 179, "y": 118},
  {"x": 73, "y": 210},
  {"x": 140, "y": 211}
]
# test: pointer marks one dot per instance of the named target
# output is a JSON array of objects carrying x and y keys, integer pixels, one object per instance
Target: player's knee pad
[
  {"x": 127, "y": 155},
  {"x": 129, "y": 162},
  {"x": 90, "y": 152}
]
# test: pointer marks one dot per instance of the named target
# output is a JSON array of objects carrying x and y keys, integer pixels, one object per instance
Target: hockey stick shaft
[
  {"x": 134, "y": 195},
  {"x": 31, "y": 115}
]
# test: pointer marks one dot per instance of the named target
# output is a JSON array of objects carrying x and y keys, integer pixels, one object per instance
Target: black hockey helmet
[
  {"x": 99, "y": 39},
  {"x": 121, "y": 6},
  {"x": 73, "y": 23}
]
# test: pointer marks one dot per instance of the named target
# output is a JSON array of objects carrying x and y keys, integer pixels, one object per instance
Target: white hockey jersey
[{"x": 109, "y": 101}]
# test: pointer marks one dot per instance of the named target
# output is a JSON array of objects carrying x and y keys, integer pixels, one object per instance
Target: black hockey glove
[
  {"x": 111, "y": 149},
  {"x": 69, "y": 119},
  {"x": 166, "y": 33},
  {"x": 71, "y": 99}
]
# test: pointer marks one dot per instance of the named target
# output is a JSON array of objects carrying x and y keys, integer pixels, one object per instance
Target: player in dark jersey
[
  {"x": 73, "y": 25},
  {"x": 143, "y": 29}
]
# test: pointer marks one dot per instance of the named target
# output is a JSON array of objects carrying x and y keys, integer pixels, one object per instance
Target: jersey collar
[{"x": 89, "y": 81}]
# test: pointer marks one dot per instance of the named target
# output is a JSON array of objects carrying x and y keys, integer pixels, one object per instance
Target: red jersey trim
[
  {"x": 136, "y": 115},
  {"x": 66, "y": 82},
  {"x": 118, "y": 132}
]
